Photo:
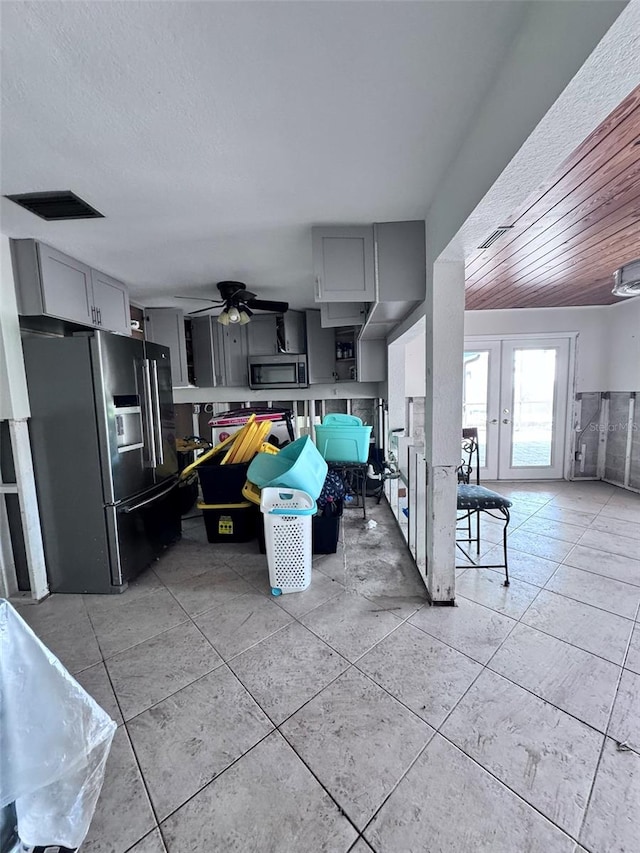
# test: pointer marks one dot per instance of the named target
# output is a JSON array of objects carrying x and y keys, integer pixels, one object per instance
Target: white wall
[
  {"x": 14, "y": 401},
  {"x": 622, "y": 355},
  {"x": 592, "y": 324},
  {"x": 415, "y": 363}
]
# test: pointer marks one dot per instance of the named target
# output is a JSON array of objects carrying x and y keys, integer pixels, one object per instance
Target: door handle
[
  {"x": 493, "y": 421},
  {"x": 157, "y": 423},
  {"x": 506, "y": 421},
  {"x": 161, "y": 494},
  {"x": 148, "y": 406}
]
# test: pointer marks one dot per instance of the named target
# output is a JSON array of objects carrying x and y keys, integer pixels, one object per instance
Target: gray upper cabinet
[
  {"x": 52, "y": 284},
  {"x": 291, "y": 331},
  {"x": 262, "y": 335},
  {"x": 321, "y": 351},
  {"x": 343, "y": 263},
  {"x": 236, "y": 350},
  {"x": 166, "y": 326},
  {"x": 269, "y": 334},
  {"x": 66, "y": 287},
  {"x": 111, "y": 303},
  {"x": 400, "y": 261},
  {"x": 342, "y": 313},
  {"x": 219, "y": 353},
  {"x": 372, "y": 360}
]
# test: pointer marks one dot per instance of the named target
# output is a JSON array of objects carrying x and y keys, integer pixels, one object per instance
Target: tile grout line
[{"x": 606, "y": 735}]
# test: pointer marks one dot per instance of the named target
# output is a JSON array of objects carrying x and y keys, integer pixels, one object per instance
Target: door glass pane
[
  {"x": 534, "y": 378},
  {"x": 475, "y": 389}
]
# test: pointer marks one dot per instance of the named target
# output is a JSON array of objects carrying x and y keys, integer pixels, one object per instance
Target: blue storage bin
[
  {"x": 341, "y": 420},
  {"x": 339, "y": 441},
  {"x": 299, "y": 465}
]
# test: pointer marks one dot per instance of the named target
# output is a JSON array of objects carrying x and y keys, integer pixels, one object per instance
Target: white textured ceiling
[
  {"x": 213, "y": 135},
  {"x": 609, "y": 74}
]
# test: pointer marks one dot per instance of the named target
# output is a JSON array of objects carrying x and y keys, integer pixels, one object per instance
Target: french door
[{"x": 515, "y": 393}]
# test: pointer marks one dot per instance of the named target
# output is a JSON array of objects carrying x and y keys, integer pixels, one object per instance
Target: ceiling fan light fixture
[
  {"x": 627, "y": 280},
  {"x": 233, "y": 314},
  {"x": 223, "y": 318},
  {"x": 244, "y": 318}
]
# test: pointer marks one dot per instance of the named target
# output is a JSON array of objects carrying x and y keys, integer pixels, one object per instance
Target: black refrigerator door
[
  {"x": 141, "y": 528},
  {"x": 122, "y": 405},
  {"x": 164, "y": 422}
]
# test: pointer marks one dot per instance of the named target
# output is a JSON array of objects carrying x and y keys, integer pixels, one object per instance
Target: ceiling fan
[{"x": 239, "y": 303}]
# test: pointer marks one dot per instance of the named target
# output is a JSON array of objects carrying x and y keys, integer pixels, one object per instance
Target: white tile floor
[{"x": 354, "y": 717}]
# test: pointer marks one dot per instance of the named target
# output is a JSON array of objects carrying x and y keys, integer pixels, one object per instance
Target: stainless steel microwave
[{"x": 285, "y": 370}]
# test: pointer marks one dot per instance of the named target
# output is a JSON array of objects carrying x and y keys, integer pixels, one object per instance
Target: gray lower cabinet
[
  {"x": 166, "y": 326},
  {"x": 52, "y": 284},
  {"x": 219, "y": 353}
]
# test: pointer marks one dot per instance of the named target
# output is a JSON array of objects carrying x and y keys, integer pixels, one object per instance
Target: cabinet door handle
[
  {"x": 317, "y": 287},
  {"x": 93, "y": 315},
  {"x": 99, "y": 310}
]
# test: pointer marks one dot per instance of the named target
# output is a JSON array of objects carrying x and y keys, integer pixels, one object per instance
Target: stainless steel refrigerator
[{"x": 103, "y": 442}]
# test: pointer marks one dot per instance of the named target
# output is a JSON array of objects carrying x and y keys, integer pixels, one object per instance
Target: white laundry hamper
[{"x": 287, "y": 535}]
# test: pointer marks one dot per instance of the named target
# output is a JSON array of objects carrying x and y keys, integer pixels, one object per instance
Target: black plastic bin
[
  {"x": 326, "y": 531},
  {"x": 230, "y": 523},
  {"x": 222, "y": 484}
]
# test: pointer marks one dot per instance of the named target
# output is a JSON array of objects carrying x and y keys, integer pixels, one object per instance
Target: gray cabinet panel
[
  {"x": 342, "y": 313},
  {"x": 293, "y": 331},
  {"x": 262, "y": 335},
  {"x": 219, "y": 353},
  {"x": 321, "y": 351},
  {"x": 235, "y": 348},
  {"x": 66, "y": 286},
  {"x": 343, "y": 264},
  {"x": 166, "y": 326},
  {"x": 400, "y": 261},
  {"x": 111, "y": 301},
  {"x": 208, "y": 362},
  {"x": 372, "y": 361}
]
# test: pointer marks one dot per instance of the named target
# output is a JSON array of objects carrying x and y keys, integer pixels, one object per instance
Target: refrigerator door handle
[
  {"x": 148, "y": 405},
  {"x": 153, "y": 498},
  {"x": 157, "y": 422}
]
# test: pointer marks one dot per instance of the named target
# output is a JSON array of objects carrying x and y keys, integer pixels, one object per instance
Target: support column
[
  {"x": 14, "y": 408},
  {"x": 443, "y": 421}
]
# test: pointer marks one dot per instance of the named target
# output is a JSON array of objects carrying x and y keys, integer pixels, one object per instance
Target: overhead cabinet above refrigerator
[{"x": 103, "y": 439}]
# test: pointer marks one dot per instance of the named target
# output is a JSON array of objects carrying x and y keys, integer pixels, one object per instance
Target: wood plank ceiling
[{"x": 572, "y": 233}]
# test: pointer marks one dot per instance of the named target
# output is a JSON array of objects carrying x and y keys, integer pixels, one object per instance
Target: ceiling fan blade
[
  {"x": 267, "y": 305},
  {"x": 244, "y": 296},
  {"x": 202, "y": 310},
  {"x": 199, "y": 299}
]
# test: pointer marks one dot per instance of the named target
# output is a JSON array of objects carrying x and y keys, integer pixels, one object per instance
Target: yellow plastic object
[
  {"x": 243, "y": 447},
  {"x": 251, "y": 492},
  {"x": 214, "y": 450},
  {"x": 265, "y": 447},
  {"x": 239, "y": 437}
]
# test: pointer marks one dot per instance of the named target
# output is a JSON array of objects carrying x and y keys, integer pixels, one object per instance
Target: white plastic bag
[{"x": 54, "y": 740}]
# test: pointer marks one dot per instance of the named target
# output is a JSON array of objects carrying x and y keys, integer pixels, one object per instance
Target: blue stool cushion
[{"x": 477, "y": 497}]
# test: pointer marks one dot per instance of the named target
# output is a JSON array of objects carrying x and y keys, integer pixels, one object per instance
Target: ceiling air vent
[
  {"x": 627, "y": 280},
  {"x": 56, "y": 205},
  {"x": 491, "y": 239}
]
